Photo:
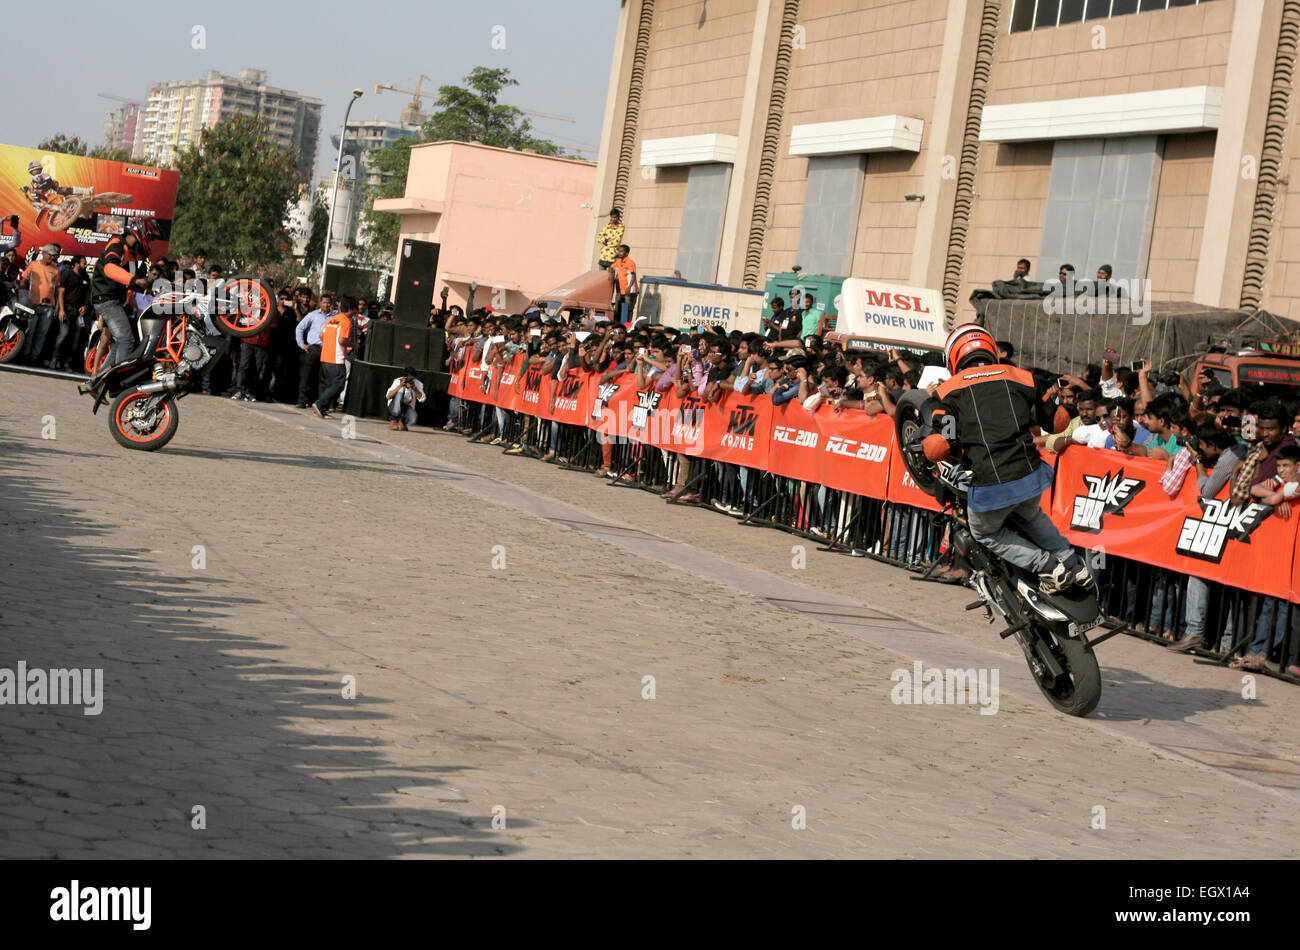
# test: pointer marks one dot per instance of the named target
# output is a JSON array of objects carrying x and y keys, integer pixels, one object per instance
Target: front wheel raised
[
  {"x": 1077, "y": 691},
  {"x": 143, "y": 421}
]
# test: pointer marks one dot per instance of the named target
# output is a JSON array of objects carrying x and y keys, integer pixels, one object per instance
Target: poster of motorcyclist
[{"x": 81, "y": 203}]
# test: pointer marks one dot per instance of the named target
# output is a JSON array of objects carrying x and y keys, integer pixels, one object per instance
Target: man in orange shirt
[
  {"x": 335, "y": 342},
  {"x": 623, "y": 276},
  {"x": 42, "y": 280}
]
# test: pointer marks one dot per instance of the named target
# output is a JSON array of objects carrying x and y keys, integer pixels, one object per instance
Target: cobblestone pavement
[{"x": 228, "y": 584}]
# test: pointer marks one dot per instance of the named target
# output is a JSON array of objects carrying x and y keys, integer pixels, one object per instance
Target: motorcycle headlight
[{"x": 1034, "y": 600}]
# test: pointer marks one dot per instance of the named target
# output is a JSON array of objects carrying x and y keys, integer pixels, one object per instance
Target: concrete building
[
  {"x": 514, "y": 222},
  {"x": 934, "y": 142},
  {"x": 177, "y": 113},
  {"x": 359, "y": 176},
  {"x": 123, "y": 128}
]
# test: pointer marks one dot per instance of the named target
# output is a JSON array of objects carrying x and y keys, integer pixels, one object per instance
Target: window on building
[
  {"x": 701, "y": 232},
  {"x": 1100, "y": 206},
  {"x": 1039, "y": 14},
  {"x": 830, "y": 214}
]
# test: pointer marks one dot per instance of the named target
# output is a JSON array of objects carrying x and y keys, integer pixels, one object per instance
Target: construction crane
[
  {"x": 414, "y": 115},
  {"x": 109, "y": 95}
]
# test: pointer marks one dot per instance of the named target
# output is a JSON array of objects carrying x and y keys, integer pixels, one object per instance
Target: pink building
[{"x": 515, "y": 222}]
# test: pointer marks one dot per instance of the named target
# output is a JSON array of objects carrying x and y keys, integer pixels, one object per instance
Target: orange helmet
[{"x": 966, "y": 342}]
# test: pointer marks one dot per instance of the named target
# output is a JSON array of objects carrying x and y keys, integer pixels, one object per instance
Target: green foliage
[
  {"x": 75, "y": 146},
  {"x": 318, "y": 223},
  {"x": 236, "y": 188},
  {"x": 466, "y": 113},
  {"x": 110, "y": 154},
  {"x": 64, "y": 145}
]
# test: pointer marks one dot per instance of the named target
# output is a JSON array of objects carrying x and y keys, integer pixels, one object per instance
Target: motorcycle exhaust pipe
[{"x": 154, "y": 387}]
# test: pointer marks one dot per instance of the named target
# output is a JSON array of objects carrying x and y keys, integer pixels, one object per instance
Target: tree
[
  {"x": 110, "y": 154},
  {"x": 318, "y": 223},
  {"x": 236, "y": 188},
  {"x": 466, "y": 113},
  {"x": 63, "y": 145},
  {"x": 75, "y": 146}
]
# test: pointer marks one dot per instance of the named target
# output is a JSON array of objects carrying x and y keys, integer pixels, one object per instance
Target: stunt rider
[
  {"x": 993, "y": 406},
  {"x": 43, "y": 185},
  {"x": 110, "y": 281}
]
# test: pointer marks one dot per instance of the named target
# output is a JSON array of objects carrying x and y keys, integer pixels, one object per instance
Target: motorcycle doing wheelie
[
  {"x": 15, "y": 318},
  {"x": 176, "y": 343},
  {"x": 1050, "y": 628}
]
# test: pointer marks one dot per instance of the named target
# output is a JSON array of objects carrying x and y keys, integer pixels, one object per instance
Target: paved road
[{"x": 518, "y": 689}]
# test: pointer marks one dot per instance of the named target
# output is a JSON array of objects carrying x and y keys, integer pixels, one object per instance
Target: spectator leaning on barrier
[{"x": 1086, "y": 404}]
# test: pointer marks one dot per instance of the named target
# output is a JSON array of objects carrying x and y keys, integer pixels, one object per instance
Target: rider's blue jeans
[
  {"x": 119, "y": 326},
  {"x": 1021, "y": 534}
]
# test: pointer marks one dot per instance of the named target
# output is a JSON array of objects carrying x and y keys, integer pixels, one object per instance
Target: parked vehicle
[
  {"x": 671, "y": 302},
  {"x": 15, "y": 318}
]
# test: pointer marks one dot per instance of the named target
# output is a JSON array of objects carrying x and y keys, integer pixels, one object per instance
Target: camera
[
  {"x": 1166, "y": 378},
  {"x": 1190, "y": 442}
]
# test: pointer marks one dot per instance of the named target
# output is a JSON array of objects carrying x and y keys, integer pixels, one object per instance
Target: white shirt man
[{"x": 402, "y": 397}]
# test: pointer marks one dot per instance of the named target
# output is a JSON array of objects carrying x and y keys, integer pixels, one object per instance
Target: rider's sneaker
[
  {"x": 1057, "y": 580},
  {"x": 1063, "y": 577}
]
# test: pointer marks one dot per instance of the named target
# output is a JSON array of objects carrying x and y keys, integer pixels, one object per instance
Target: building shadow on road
[
  {"x": 313, "y": 462},
  {"x": 194, "y": 714}
]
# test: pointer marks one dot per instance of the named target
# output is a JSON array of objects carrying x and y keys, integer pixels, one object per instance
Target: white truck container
[{"x": 666, "y": 301}]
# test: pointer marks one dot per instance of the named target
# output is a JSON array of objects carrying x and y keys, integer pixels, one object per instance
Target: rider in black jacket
[{"x": 990, "y": 408}]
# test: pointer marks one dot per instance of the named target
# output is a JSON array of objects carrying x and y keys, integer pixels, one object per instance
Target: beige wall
[
  {"x": 873, "y": 57},
  {"x": 1162, "y": 49},
  {"x": 857, "y": 63},
  {"x": 1181, "y": 204},
  {"x": 694, "y": 84},
  {"x": 1186, "y": 46}
]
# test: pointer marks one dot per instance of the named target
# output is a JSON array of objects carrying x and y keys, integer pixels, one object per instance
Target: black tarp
[{"x": 1171, "y": 334}]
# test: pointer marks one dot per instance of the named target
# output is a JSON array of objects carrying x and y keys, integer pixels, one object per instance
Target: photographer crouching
[{"x": 403, "y": 395}]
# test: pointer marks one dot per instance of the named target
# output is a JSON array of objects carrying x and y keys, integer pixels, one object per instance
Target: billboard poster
[{"x": 81, "y": 203}]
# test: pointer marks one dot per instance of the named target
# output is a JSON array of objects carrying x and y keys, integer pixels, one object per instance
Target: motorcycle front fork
[{"x": 1018, "y": 621}]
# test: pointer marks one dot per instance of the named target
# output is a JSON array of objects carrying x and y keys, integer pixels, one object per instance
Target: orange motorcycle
[
  {"x": 176, "y": 343},
  {"x": 60, "y": 210}
]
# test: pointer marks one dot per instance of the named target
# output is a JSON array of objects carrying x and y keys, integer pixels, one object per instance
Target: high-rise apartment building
[
  {"x": 359, "y": 175},
  {"x": 178, "y": 112},
  {"x": 122, "y": 127}
]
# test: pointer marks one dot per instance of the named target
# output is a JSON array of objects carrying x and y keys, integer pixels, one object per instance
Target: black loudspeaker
[
  {"x": 396, "y": 345},
  {"x": 379, "y": 342},
  {"x": 415, "y": 279}
]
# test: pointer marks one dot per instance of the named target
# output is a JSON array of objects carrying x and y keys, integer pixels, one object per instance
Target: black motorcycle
[
  {"x": 1050, "y": 628},
  {"x": 15, "y": 318}
]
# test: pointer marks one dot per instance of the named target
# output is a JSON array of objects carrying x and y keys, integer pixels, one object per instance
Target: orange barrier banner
[
  {"x": 1113, "y": 504},
  {"x": 849, "y": 451}
]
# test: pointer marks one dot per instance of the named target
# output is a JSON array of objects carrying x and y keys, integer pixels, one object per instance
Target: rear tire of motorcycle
[
  {"x": 1081, "y": 694},
  {"x": 11, "y": 346},
  {"x": 907, "y": 419},
  {"x": 156, "y": 439},
  {"x": 253, "y": 296}
]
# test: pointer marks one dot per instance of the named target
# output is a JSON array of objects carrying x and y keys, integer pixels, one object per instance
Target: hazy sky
[{"x": 559, "y": 50}]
